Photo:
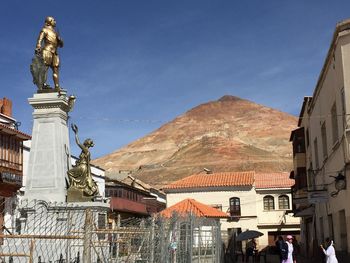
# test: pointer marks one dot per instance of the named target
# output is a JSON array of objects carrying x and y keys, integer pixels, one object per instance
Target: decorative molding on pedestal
[{"x": 48, "y": 160}]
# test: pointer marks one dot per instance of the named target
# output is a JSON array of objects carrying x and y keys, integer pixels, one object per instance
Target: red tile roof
[
  {"x": 214, "y": 180},
  {"x": 273, "y": 180},
  {"x": 8, "y": 130},
  {"x": 188, "y": 206}
]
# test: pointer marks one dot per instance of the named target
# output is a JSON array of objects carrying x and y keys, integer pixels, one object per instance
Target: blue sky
[{"x": 135, "y": 65}]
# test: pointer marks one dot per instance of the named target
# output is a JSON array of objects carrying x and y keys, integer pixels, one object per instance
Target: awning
[
  {"x": 310, "y": 211},
  {"x": 129, "y": 206}
]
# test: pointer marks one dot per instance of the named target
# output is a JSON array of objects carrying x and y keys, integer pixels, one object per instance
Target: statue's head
[
  {"x": 88, "y": 143},
  {"x": 50, "y": 21}
]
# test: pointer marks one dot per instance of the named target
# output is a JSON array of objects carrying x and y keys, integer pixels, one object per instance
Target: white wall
[
  {"x": 276, "y": 216},
  {"x": 335, "y": 78},
  {"x": 252, "y": 213}
]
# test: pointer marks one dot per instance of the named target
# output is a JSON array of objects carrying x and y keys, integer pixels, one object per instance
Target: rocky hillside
[{"x": 230, "y": 134}]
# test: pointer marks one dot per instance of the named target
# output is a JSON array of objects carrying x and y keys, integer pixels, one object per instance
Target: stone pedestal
[
  {"x": 48, "y": 160},
  {"x": 77, "y": 195}
]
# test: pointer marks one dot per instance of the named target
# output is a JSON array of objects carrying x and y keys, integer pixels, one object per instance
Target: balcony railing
[
  {"x": 12, "y": 166},
  {"x": 277, "y": 217},
  {"x": 11, "y": 178}
]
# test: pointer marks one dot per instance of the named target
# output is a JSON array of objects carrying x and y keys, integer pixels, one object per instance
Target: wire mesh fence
[{"x": 51, "y": 232}]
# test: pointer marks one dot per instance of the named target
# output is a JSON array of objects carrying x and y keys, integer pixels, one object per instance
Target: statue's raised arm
[
  {"x": 75, "y": 130},
  {"x": 80, "y": 178}
]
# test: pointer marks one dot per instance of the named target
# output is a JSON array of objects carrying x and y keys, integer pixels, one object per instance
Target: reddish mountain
[{"x": 230, "y": 134}]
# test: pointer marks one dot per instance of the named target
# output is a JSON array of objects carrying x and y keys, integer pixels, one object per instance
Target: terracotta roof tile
[
  {"x": 192, "y": 206},
  {"x": 273, "y": 180},
  {"x": 214, "y": 180},
  {"x": 12, "y": 131}
]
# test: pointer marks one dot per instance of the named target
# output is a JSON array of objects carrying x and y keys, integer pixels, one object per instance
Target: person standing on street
[
  {"x": 288, "y": 252},
  {"x": 279, "y": 244},
  {"x": 329, "y": 251},
  {"x": 296, "y": 249}
]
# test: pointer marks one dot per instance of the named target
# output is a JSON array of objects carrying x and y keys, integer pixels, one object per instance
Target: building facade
[
  {"x": 130, "y": 197},
  {"x": 322, "y": 153},
  {"x": 11, "y": 159},
  {"x": 274, "y": 207},
  {"x": 252, "y": 201}
]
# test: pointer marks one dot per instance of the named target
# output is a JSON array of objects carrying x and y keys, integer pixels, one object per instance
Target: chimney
[
  {"x": 6, "y": 107},
  {"x": 207, "y": 171}
]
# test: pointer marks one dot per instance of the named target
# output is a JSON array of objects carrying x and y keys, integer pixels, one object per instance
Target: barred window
[
  {"x": 235, "y": 206},
  {"x": 269, "y": 203},
  {"x": 283, "y": 202}
]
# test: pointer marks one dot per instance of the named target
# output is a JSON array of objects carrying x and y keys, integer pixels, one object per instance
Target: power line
[{"x": 126, "y": 120}]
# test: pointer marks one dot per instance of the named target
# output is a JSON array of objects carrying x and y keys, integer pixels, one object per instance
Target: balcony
[
  {"x": 299, "y": 150},
  {"x": 276, "y": 218},
  {"x": 10, "y": 166},
  {"x": 9, "y": 183},
  {"x": 299, "y": 160},
  {"x": 128, "y": 206},
  {"x": 300, "y": 179}
]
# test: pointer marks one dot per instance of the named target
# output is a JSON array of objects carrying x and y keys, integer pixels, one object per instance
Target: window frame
[
  {"x": 267, "y": 203},
  {"x": 282, "y": 202},
  {"x": 335, "y": 128},
  {"x": 324, "y": 140},
  {"x": 317, "y": 161},
  {"x": 235, "y": 206}
]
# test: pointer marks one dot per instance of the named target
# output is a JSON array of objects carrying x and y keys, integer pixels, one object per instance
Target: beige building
[
  {"x": 322, "y": 153},
  {"x": 252, "y": 201}
]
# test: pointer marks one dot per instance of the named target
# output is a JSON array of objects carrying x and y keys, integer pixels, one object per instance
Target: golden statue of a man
[{"x": 51, "y": 41}]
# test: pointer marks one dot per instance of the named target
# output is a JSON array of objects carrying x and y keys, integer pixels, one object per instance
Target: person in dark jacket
[
  {"x": 279, "y": 244},
  {"x": 296, "y": 247}
]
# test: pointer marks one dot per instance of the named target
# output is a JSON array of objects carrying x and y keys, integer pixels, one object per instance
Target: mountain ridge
[{"x": 229, "y": 133}]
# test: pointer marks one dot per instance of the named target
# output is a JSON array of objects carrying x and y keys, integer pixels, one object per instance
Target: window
[
  {"x": 307, "y": 138},
  {"x": 235, "y": 206},
  {"x": 330, "y": 226},
  {"x": 300, "y": 179},
  {"x": 343, "y": 231},
  {"x": 298, "y": 141},
  {"x": 324, "y": 140},
  {"x": 310, "y": 178},
  {"x": 283, "y": 202},
  {"x": 269, "y": 203},
  {"x": 321, "y": 227},
  {"x": 233, "y": 232},
  {"x": 334, "y": 123},
  {"x": 343, "y": 107},
  {"x": 316, "y": 154}
]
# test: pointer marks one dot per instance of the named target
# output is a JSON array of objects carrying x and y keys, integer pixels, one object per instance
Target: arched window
[
  {"x": 235, "y": 206},
  {"x": 269, "y": 203},
  {"x": 283, "y": 202}
]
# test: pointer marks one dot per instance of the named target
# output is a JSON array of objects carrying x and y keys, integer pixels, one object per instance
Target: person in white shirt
[
  {"x": 288, "y": 250},
  {"x": 329, "y": 251}
]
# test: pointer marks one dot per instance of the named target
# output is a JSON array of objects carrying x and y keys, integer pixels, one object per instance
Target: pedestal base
[
  {"x": 58, "y": 232},
  {"x": 48, "y": 159},
  {"x": 76, "y": 195}
]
